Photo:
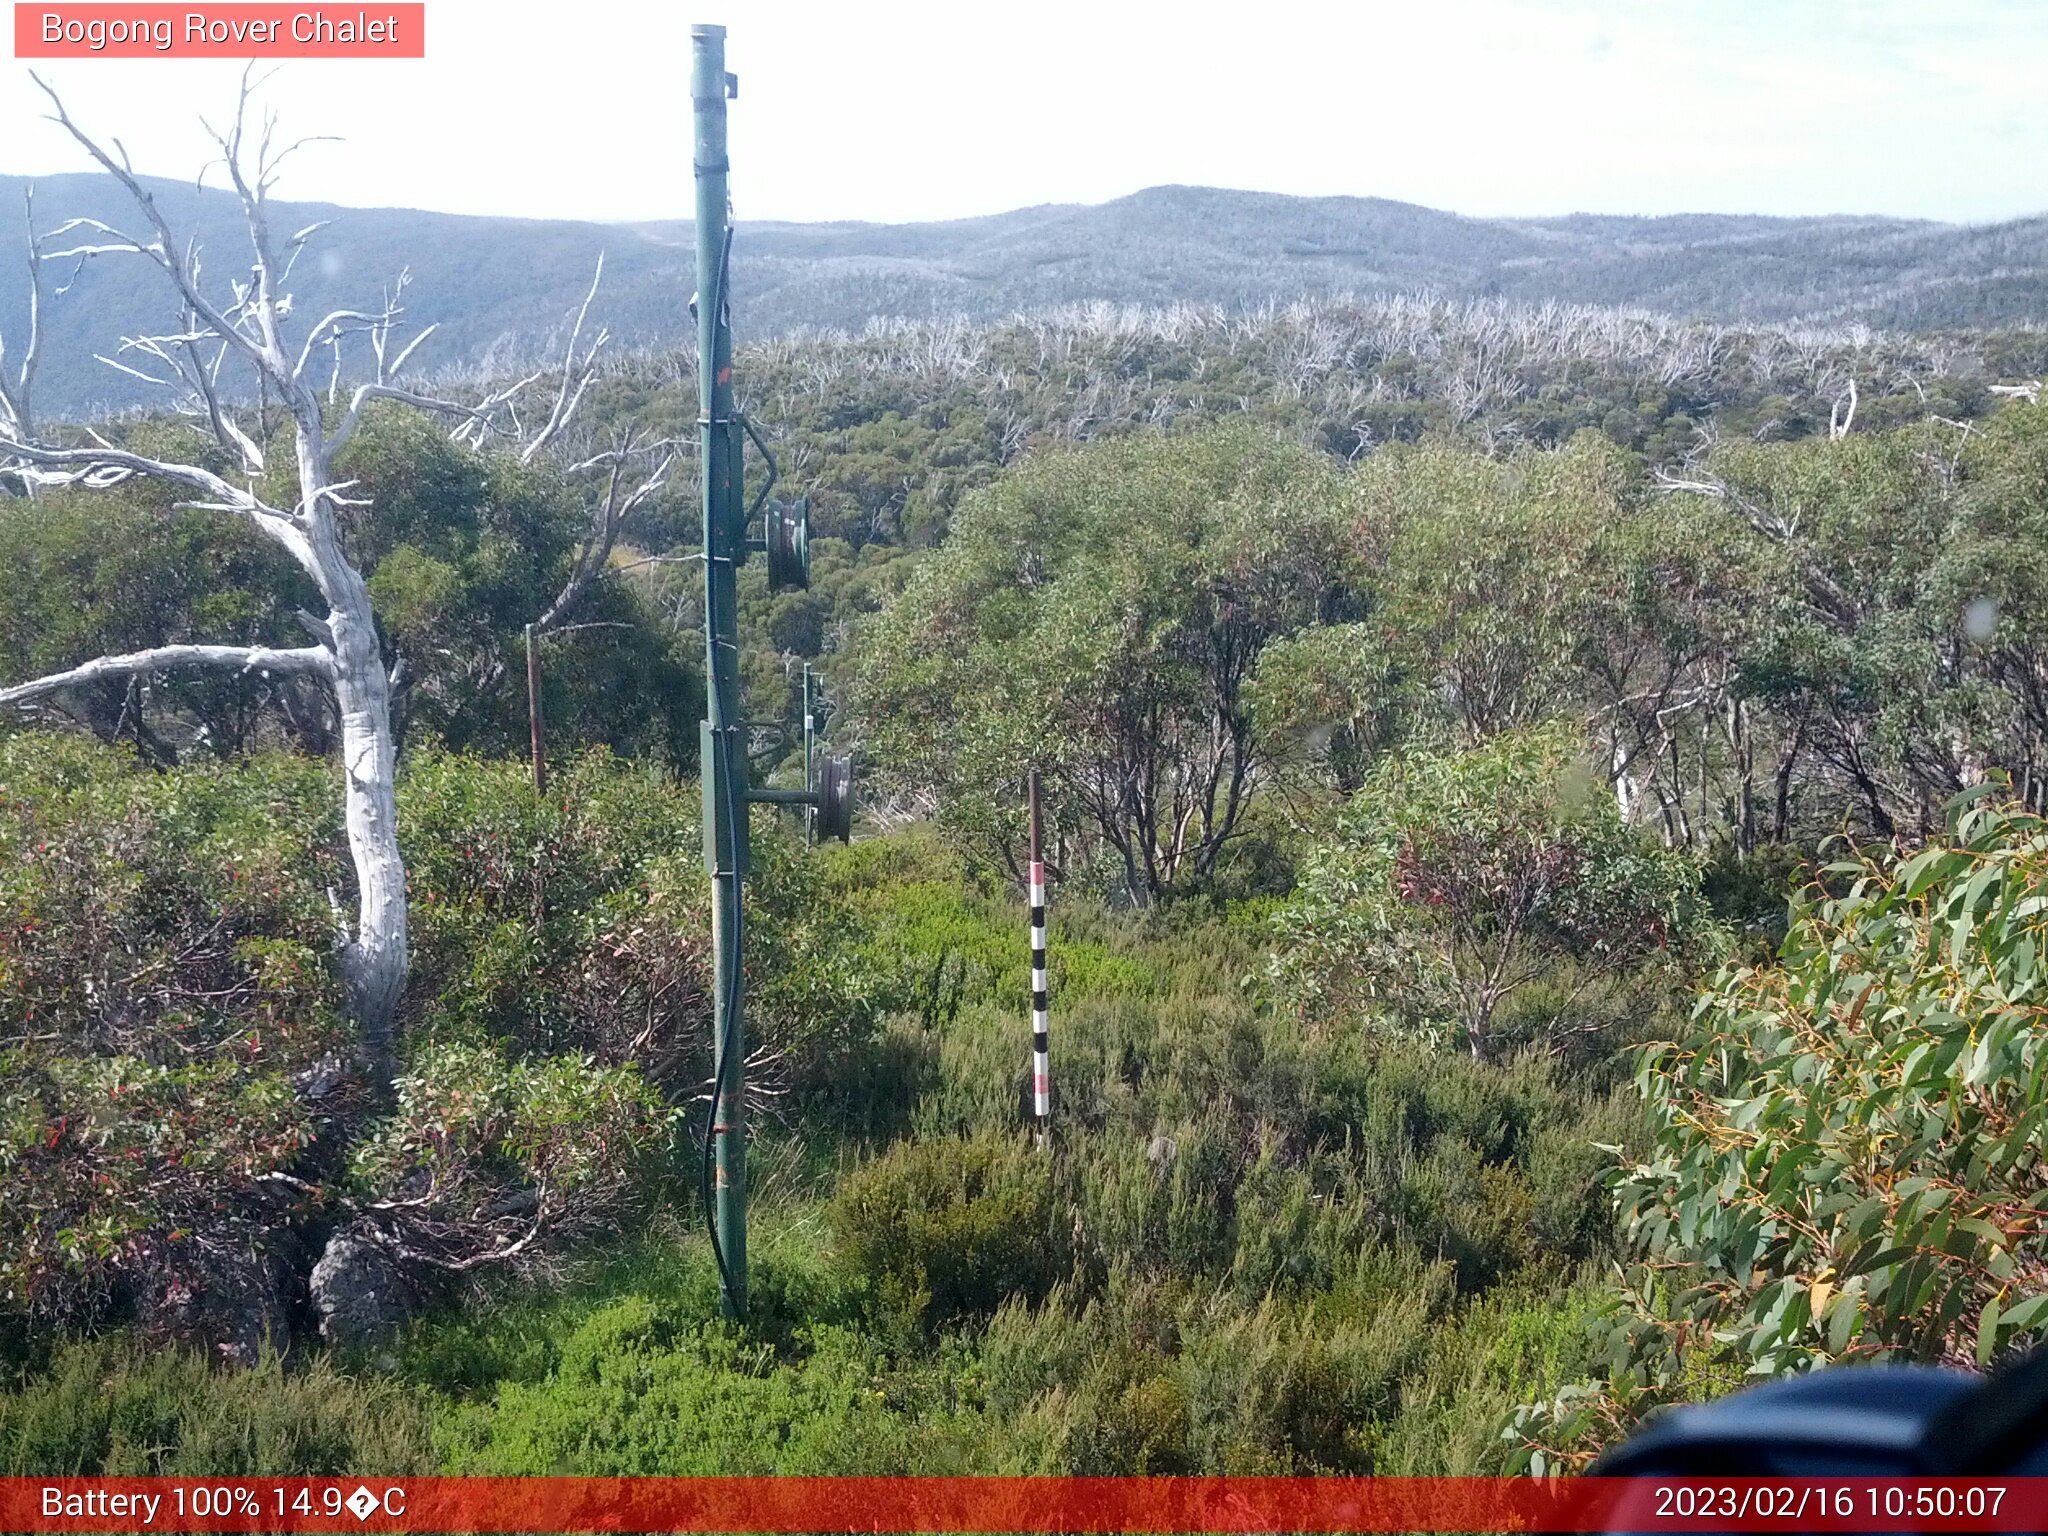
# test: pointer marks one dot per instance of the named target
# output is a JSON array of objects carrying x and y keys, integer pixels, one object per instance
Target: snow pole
[{"x": 1041, "y": 1052}]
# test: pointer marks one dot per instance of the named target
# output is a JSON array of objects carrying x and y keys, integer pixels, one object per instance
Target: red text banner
[
  {"x": 229, "y": 31},
  {"x": 1021, "y": 1504}
]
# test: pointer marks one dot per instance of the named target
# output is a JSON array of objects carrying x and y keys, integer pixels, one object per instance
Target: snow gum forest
[{"x": 1544, "y": 813}]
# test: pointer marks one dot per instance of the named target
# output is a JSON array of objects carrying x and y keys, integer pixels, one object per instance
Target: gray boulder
[{"x": 361, "y": 1297}]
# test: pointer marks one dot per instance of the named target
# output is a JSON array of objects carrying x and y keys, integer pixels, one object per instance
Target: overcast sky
[{"x": 895, "y": 110}]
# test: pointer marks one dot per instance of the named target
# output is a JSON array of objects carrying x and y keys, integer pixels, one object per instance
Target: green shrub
[
  {"x": 1862, "y": 1122},
  {"x": 112, "y": 1409},
  {"x": 1250, "y": 1245},
  {"x": 177, "y": 1083},
  {"x": 502, "y": 1152},
  {"x": 165, "y": 971},
  {"x": 1153, "y": 1204},
  {"x": 1274, "y": 1393},
  {"x": 1456, "y": 880},
  {"x": 517, "y": 1331},
  {"x": 1459, "y": 1397},
  {"x": 949, "y": 1229},
  {"x": 1847, "y": 1160},
  {"x": 640, "y": 1392}
]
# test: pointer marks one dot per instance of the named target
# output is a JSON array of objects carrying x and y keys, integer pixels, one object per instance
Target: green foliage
[
  {"x": 1489, "y": 569},
  {"x": 639, "y": 1391},
  {"x": 179, "y": 1100},
  {"x": 1847, "y": 1161},
  {"x": 949, "y": 1229},
  {"x": 1333, "y": 697},
  {"x": 462, "y": 551},
  {"x": 1862, "y": 1121},
  {"x": 1264, "y": 1239},
  {"x": 1807, "y": 633},
  {"x": 1457, "y": 880},
  {"x": 514, "y": 1331},
  {"x": 89, "y": 573},
  {"x": 934, "y": 939},
  {"x": 579, "y": 920},
  {"x": 1899, "y": 619},
  {"x": 569, "y": 921},
  {"x": 510, "y": 1147},
  {"x": 1098, "y": 613},
  {"x": 109, "y": 1409},
  {"x": 1253, "y": 1246},
  {"x": 164, "y": 973}
]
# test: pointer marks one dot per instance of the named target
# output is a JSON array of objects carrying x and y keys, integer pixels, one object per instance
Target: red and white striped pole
[{"x": 1041, "y": 1054}]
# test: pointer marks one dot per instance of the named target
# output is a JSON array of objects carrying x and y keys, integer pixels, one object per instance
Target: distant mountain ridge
[{"x": 501, "y": 288}]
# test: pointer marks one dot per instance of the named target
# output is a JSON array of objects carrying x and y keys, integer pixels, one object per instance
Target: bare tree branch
[
  {"x": 102, "y": 466},
  {"x": 266, "y": 357},
  {"x": 475, "y": 423},
  {"x": 576, "y": 376},
  {"x": 164, "y": 658},
  {"x": 609, "y": 517}
]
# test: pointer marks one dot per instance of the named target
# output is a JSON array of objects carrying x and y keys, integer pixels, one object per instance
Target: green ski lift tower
[{"x": 729, "y": 537}]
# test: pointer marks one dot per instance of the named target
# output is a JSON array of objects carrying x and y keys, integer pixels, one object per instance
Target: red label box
[
  {"x": 1051, "y": 1506},
  {"x": 378, "y": 30}
]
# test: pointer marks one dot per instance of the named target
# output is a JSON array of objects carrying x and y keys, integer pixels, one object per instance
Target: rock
[
  {"x": 358, "y": 1292},
  {"x": 321, "y": 1078}
]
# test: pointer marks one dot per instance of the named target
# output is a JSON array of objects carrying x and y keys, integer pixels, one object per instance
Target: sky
[{"x": 895, "y": 110}]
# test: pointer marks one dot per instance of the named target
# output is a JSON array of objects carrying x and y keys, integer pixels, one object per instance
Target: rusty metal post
[{"x": 540, "y": 752}]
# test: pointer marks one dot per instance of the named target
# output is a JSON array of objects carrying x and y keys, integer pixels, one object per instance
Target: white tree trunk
[{"x": 376, "y": 957}]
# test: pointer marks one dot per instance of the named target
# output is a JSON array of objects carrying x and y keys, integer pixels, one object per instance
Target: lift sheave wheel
[
  {"x": 786, "y": 533},
  {"x": 835, "y": 799}
]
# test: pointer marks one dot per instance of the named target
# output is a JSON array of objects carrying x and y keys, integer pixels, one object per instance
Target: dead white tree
[
  {"x": 631, "y": 474},
  {"x": 1842, "y": 414},
  {"x": 246, "y": 326},
  {"x": 17, "y": 394}
]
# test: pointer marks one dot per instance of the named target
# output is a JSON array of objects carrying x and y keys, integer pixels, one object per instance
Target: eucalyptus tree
[
  {"x": 1099, "y": 613},
  {"x": 1900, "y": 646},
  {"x": 1455, "y": 882},
  {"x": 1489, "y": 572}
]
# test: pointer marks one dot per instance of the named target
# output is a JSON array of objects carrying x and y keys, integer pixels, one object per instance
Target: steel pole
[{"x": 721, "y": 750}]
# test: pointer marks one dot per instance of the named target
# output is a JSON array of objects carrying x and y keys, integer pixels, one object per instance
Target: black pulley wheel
[
  {"x": 835, "y": 798},
  {"x": 786, "y": 533}
]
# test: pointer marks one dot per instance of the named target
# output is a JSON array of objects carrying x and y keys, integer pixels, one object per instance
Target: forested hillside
[
  {"x": 501, "y": 289},
  {"x": 1544, "y": 807}
]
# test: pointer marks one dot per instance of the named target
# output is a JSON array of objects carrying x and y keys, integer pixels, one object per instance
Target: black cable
[
  {"x": 725, "y": 1038},
  {"x": 760, "y": 442}
]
